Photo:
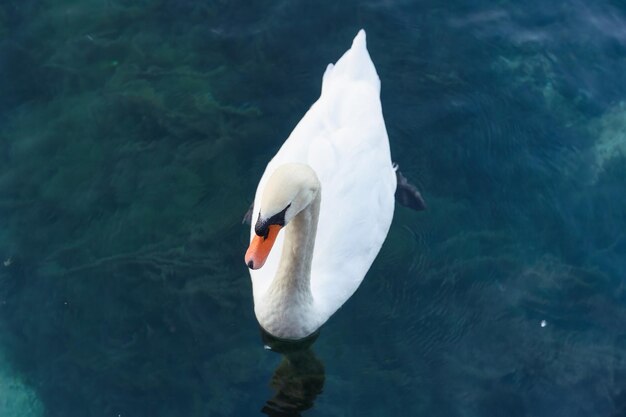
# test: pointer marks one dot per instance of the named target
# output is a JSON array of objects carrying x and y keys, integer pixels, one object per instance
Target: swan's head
[{"x": 288, "y": 191}]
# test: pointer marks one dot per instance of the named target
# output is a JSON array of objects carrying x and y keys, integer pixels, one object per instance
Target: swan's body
[{"x": 333, "y": 183}]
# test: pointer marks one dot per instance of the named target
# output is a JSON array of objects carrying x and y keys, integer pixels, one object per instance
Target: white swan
[{"x": 331, "y": 187}]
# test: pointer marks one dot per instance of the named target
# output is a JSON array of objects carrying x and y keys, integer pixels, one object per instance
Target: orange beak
[{"x": 260, "y": 248}]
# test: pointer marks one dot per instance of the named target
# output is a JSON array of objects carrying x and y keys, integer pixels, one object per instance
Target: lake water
[{"x": 132, "y": 137}]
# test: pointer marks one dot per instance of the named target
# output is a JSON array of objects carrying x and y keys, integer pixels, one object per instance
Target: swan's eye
[{"x": 262, "y": 226}]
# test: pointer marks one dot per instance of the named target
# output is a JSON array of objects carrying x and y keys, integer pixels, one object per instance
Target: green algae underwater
[
  {"x": 132, "y": 135},
  {"x": 123, "y": 178}
]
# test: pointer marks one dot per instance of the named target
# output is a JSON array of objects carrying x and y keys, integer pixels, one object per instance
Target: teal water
[{"x": 132, "y": 136}]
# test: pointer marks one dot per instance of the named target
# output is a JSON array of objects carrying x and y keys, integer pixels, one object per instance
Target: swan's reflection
[{"x": 298, "y": 379}]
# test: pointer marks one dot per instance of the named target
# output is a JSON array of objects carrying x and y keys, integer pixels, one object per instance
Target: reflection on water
[
  {"x": 132, "y": 137},
  {"x": 298, "y": 379}
]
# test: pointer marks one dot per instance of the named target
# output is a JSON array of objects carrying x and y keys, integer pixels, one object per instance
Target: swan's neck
[
  {"x": 292, "y": 312},
  {"x": 294, "y": 270}
]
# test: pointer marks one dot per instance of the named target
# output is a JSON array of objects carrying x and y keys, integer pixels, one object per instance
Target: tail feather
[
  {"x": 359, "y": 41},
  {"x": 354, "y": 65}
]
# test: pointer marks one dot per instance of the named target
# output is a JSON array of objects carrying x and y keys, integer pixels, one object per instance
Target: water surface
[{"x": 131, "y": 140}]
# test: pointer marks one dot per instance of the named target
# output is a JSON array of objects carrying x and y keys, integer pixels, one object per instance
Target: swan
[{"x": 324, "y": 204}]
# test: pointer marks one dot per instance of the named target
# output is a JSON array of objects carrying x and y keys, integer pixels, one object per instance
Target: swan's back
[{"x": 343, "y": 138}]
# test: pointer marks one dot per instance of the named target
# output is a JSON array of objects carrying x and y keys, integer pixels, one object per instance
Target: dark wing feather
[{"x": 247, "y": 218}]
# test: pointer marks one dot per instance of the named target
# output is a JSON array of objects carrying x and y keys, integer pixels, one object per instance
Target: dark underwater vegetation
[{"x": 132, "y": 137}]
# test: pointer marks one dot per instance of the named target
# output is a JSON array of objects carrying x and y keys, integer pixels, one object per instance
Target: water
[{"x": 131, "y": 141}]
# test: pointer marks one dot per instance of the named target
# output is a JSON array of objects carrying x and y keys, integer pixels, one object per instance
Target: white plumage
[{"x": 344, "y": 140}]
